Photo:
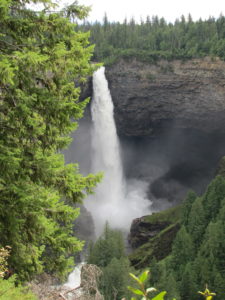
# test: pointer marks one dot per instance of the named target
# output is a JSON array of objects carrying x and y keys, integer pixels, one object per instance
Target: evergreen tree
[
  {"x": 213, "y": 247},
  {"x": 115, "y": 279},
  {"x": 108, "y": 253},
  {"x": 171, "y": 287},
  {"x": 182, "y": 252},
  {"x": 154, "y": 271},
  {"x": 197, "y": 222},
  {"x": 188, "y": 286},
  {"x": 167, "y": 280},
  {"x": 110, "y": 245},
  {"x": 155, "y": 39},
  {"x": 186, "y": 208},
  {"x": 213, "y": 197},
  {"x": 198, "y": 252},
  {"x": 41, "y": 55},
  {"x": 219, "y": 283}
]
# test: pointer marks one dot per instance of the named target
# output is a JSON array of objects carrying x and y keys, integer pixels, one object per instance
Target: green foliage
[
  {"x": 213, "y": 198},
  {"x": 171, "y": 215},
  {"x": 160, "y": 245},
  {"x": 207, "y": 294},
  {"x": 110, "y": 245},
  {"x": 155, "y": 39},
  {"x": 142, "y": 290},
  {"x": 186, "y": 207},
  {"x": 198, "y": 251},
  {"x": 8, "y": 291},
  {"x": 108, "y": 253},
  {"x": 221, "y": 167},
  {"x": 166, "y": 280},
  {"x": 114, "y": 281},
  {"x": 188, "y": 285},
  {"x": 41, "y": 55},
  {"x": 197, "y": 222}
]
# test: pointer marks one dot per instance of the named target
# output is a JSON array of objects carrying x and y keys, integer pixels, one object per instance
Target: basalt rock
[
  {"x": 152, "y": 236},
  {"x": 170, "y": 117},
  {"x": 142, "y": 231},
  {"x": 151, "y": 97}
]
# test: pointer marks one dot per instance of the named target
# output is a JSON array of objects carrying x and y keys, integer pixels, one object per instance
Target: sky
[{"x": 117, "y": 10}]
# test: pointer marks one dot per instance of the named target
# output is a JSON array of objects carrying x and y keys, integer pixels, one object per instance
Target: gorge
[
  {"x": 154, "y": 125},
  {"x": 170, "y": 127},
  {"x": 170, "y": 121}
]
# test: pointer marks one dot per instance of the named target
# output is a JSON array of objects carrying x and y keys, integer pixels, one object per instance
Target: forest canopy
[{"x": 155, "y": 38}]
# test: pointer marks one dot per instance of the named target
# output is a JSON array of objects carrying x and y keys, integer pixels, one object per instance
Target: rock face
[
  {"x": 149, "y": 98},
  {"x": 152, "y": 236},
  {"x": 142, "y": 231},
  {"x": 170, "y": 117}
]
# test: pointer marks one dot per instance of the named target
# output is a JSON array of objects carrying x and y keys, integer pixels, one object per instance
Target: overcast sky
[{"x": 117, "y": 10}]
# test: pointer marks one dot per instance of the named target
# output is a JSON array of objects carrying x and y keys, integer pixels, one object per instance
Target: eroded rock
[{"x": 150, "y": 97}]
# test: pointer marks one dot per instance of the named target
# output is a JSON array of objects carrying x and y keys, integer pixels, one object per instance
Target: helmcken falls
[{"x": 115, "y": 201}]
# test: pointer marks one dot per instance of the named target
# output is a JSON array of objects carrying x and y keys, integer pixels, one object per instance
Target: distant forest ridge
[{"x": 155, "y": 38}]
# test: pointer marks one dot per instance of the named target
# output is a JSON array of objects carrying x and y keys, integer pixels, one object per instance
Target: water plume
[{"x": 115, "y": 200}]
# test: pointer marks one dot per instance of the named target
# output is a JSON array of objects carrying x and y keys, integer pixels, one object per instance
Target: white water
[
  {"x": 74, "y": 277},
  {"x": 115, "y": 200}
]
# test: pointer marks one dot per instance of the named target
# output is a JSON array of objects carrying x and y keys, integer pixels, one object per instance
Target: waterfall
[
  {"x": 115, "y": 200},
  {"x": 74, "y": 277},
  {"x": 105, "y": 143}
]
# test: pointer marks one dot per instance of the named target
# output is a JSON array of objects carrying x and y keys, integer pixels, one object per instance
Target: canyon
[{"x": 170, "y": 118}]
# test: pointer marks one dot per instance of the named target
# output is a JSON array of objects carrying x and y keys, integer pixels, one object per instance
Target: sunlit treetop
[{"x": 207, "y": 294}]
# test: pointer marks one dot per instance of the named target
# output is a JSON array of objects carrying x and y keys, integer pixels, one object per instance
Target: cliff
[
  {"x": 152, "y": 236},
  {"x": 150, "y": 97},
  {"x": 170, "y": 117}
]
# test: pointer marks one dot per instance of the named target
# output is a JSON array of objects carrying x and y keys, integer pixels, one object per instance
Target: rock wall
[
  {"x": 152, "y": 236},
  {"x": 170, "y": 117},
  {"x": 185, "y": 94}
]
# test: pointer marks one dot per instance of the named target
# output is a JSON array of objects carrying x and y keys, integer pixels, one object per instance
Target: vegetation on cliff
[
  {"x": 197, "y": 255},
  {"x": 159, "y": 230},
  {"x": 41, "y": 55},
  {"x": 42, "y": 59},
  {"x": 154, "y": 38}
]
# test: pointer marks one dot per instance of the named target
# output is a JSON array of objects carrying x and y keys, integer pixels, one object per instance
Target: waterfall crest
[{"x": 115, "y": 200}]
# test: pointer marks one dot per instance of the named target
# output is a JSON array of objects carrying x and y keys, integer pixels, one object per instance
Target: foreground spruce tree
[{"x": 41, "y": 56}]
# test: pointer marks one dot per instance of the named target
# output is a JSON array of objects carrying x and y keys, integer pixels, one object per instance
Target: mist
[
  {"x": 116, "y": 200},
  {"x": 154, "y": 172},
  {"x": 173, "y": 162}
]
